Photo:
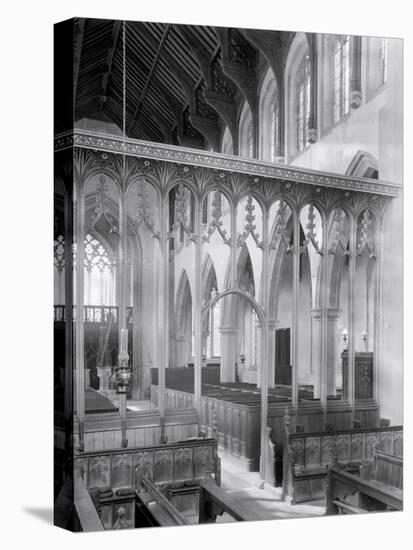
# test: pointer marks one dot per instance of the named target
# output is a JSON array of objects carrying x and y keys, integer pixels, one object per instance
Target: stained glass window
[
  {"x": 383, "y": 60},
  {"x": 341, "y": 77},
  {"x": 246, "y": 132},
  {"x": 303, "y": 102}
]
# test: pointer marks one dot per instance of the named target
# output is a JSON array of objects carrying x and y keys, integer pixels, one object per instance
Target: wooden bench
[
  {"x": 142, "y": 507},
  {"x": 127, "y": 485},
  {"x": 306, "y": 456},
  {"x": 215, "y": 501},
  {"x": 183, "y": 461},
  {"x": 378, "y": 487}
]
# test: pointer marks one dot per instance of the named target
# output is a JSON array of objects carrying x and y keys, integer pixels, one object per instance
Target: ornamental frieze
[{"x": 180, "y": 155}]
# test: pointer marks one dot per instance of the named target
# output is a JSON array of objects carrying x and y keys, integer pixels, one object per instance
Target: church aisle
[{"x": 267, "y": 501}]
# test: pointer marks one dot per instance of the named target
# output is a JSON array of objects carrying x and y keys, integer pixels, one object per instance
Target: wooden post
[
  {"x": 233, "y": 278},
  {"x": 197, "y": 308},
  {"x": 324, "y": 306},
  {"x": 351, "y": 318},
  {"x": 80, "y": 335},
  {"x": 295, "y": 335},
  {"x": 377, "y": 314},
  {"x": 163, "y": 312},
  {"x": 266, "y": 352},
  {"x": 123, "y": 353},
  {"x": 68, "y": 294}
]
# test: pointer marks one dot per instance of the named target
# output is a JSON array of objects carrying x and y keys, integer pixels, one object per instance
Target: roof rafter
[
  {"x": 149, "y": 77},
  {"x": 109, "y": 60}
]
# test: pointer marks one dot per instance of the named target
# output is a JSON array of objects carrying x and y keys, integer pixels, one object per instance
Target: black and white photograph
[
  {"x": 218, "y": 251},
  {"x": 227, "y": 253}
]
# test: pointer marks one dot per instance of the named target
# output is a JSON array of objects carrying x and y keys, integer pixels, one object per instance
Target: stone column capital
[
  {"x": 228, "y": 329},
  {"x": 273, "y": 324}
]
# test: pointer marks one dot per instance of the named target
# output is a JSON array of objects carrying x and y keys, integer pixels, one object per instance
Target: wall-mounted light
[
  {"x": 365, "y": 337},
  {"x": 344, "y": 336}
]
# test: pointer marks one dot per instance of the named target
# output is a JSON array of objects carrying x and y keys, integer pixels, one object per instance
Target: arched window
[
  {"x": 341, "y": 61},
  {"x": 383, "y": 60},
  {"x": 297, "y": 96},
  {"x": 303, "y": 102},
  {"x": 99, "y": 285},
  {"x": 245, "y": 132},
  {"x": 227, "y": 147},
  {"x": 96, "y": 255},
  {"x": 99, "y": 274},
  {"x": 268, "y": 122},
  {"x": 377, "y": 49}
]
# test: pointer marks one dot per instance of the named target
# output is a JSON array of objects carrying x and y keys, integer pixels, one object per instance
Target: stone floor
[
  {"x": 134, "y": 405},
  {"x": 247, "y": 486}
]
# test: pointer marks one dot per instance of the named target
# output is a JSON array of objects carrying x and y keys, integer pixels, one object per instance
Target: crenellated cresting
[{"x": 264, "y": 179}]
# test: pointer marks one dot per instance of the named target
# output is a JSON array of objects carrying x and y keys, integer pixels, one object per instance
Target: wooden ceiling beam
[
  {"x": 79, "y": 31},
  {"x": 175, "y": 106},
  {"x": 199, "y": 52},
  {"x": 146, "y": 122},
  {"x": 149, "y": 77},
  {"x": 179, "y": 73},
  {"x": 110, "y": 56}
]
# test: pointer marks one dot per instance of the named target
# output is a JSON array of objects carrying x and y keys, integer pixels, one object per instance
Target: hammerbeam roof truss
[
  {"x": 166, "y": 66},
  {"x": 161, "y": 70}
]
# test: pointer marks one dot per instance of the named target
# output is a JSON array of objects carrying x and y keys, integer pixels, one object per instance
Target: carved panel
[
  {"x": 162, "y": 468},
  {"x": 297, "y": 447},
  {"x": 312, "y": 451},
  {"x": 371, "y": 441},
  {"x": 143, "y": 467},
  {"x": 98, "y": 475},
  {"x": 189, "y": 130},
  {"x": 81, "y": 466},
  {"x": 327, "y": 449},
  {"x": 386, "y": 442},
  {"x": 343, "y": 447},
  {"x": 202, "y": 108},
  {"x": 221, "y": 83},
  {"x": 183, "y": 464},
  {"x": 122, "y": 470},
  {"x": 357, "y": 444},
  {"x": 398, "y": 443},
  {"x": 203, "y": 461}
]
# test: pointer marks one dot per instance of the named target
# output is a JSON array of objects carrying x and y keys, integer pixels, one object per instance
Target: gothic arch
[
  {"x": 183, "y": 320},
  {"x": 298, "y": 50},
  {"x": 246, "y": 132},
  {"x": 268, "y": 115},
  {"x": 227, "y": 145}
]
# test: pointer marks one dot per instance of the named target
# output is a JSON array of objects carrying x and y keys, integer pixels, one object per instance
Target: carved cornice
[{"x": 227, "y": 163}]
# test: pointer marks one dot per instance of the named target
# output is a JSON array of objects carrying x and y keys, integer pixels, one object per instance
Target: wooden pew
[
  {"x": 215, "y": 501},
  {"x": 127, "y": 485},
  {"x": 85, "y": 516},
  {"x": 183, "y": 461},
  {"x": 142, "y": 507},
  {"x": 160, "y": 508},
  {"x": 378, "y": 487},
  {"x": 306, "y": 456}
]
